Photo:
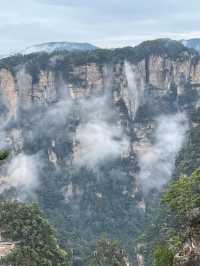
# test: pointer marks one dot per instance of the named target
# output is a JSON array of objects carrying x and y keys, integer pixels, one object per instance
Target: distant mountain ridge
[
  {"x": 158, "y": 44},
  {"x": 50, "y": 47},
  {"x": 192, "y": 43}
]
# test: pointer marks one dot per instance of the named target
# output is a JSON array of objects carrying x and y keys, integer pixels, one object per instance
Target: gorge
[{"x": 94, "y": 137}]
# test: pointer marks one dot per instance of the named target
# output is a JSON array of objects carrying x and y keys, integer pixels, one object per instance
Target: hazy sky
[{"x": 105, "y": 23}]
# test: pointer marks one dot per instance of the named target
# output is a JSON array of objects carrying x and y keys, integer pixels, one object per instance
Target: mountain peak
[
  {"x": 161, "y": 46},
  {"x": 192, "y": 44},
  {"x": 50, "y": 47}
]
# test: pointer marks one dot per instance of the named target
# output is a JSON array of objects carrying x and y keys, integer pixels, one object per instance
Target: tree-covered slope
[{"x": 36, "y": 242}]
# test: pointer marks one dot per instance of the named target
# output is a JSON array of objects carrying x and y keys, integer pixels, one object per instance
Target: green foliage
[
  {"x": 4, "y": 155},
  {"x": 12, "y": 61},
  {"x": 184, "y": 194},
  {"x": 160, "y": 227},
  {"x": 108, "y": 253},
  {"x": 159, "y": 47},
  {"x": 188, "y": 159},
  {"x": 63, "y": 60},
  {"x": 163, "y": 255},
  {"x": 165, "y": 251},
  {"x": 84, "y": 216},
  {"x": 175, "y": 242},
  {"x": 36, "y": 241}
]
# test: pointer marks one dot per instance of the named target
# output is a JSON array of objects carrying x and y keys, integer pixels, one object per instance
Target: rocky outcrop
[
  {"x": 9, "y": 92},
  {"x": 127, "y": 81},
  {"x": 189, "y": 255},
  {"x": 6, "y": 248}
]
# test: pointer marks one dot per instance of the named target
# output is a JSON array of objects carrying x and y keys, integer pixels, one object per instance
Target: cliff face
[
  {"x": 128, "y": 79},
  {"x": 135, "y": 93},
  {"x": 134, "y": 85},
  {"x": 147, "y": 88},
  {"x": 190, "y": 251}
]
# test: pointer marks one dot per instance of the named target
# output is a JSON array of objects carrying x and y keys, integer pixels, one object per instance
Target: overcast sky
[{"x": 105, "y": 23}]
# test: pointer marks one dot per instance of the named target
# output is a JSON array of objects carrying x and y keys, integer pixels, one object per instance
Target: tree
[
  {"x": 36, "y": 244},
  {"x": 183, "y": 198},
  {"x": 108, "y": 253},
  {"x": 163, "y": 255},
  {"x": 184, "y": 194},
  {"x": 4, "y": 154}
]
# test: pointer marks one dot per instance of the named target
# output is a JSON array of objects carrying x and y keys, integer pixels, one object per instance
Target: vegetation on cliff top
[{"x": 64, "y": 59}]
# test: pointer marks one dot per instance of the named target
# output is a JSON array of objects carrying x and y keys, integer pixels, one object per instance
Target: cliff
[
  {"x": 62, "y": 104},
  {"x": 155, "y": 81},
  {"x": 190, "y": 252}
]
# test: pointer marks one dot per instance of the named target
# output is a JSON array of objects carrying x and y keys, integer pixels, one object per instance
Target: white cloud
[
  {"x": 97, "y": 137},
  {"x": 22, "y": 173},
  {"x": 157, "y": 162},
  {"x": 99, "y": 141}
]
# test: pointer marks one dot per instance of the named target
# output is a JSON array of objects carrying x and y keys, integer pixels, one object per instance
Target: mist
[
  {"x": 92, "y": 122},
  {"x": 135, "y": 89},
  {"x": 99, "y": 141},
  {"x": 21, "y": 173},
  {"x": 98, "y": 134},
  {"x": 99, "y": 137},
  {"x": 158, "y": 161}
]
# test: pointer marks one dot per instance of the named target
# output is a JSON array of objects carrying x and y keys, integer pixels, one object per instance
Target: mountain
[
  {"x": 58, "y": 46},
  {"x": 94, "y": 137},
  {"x": 192, "y": 43}
]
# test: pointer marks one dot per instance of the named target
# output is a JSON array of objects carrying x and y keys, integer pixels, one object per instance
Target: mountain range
[{"x": 95, "y": 137}]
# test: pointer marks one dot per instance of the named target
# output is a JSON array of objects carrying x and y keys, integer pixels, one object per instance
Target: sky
[{"x": 104, "y": 23}]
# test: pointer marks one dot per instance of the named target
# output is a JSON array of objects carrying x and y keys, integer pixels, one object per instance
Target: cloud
[
  {"x": 39, "y": 126},
  {"x": 97, "y": 142},
  {"x": 98, "y": 134},
  {"x": 157, "y": 162},
  {"x": 98, "y": 137},
  {"x": 21, "y": 173}
]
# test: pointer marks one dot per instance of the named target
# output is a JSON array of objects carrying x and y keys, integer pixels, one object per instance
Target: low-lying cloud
[
  {"x": 23, "y": 174},
  {"x": 98, "y": 136},
  {"x": 92, "y": 122},
  {"x": 99, "y": 141},
  {"x": 157, "y": 162}
]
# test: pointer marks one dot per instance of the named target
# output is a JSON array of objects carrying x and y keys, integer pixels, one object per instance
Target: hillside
[{"x": 34, "y": 240}]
